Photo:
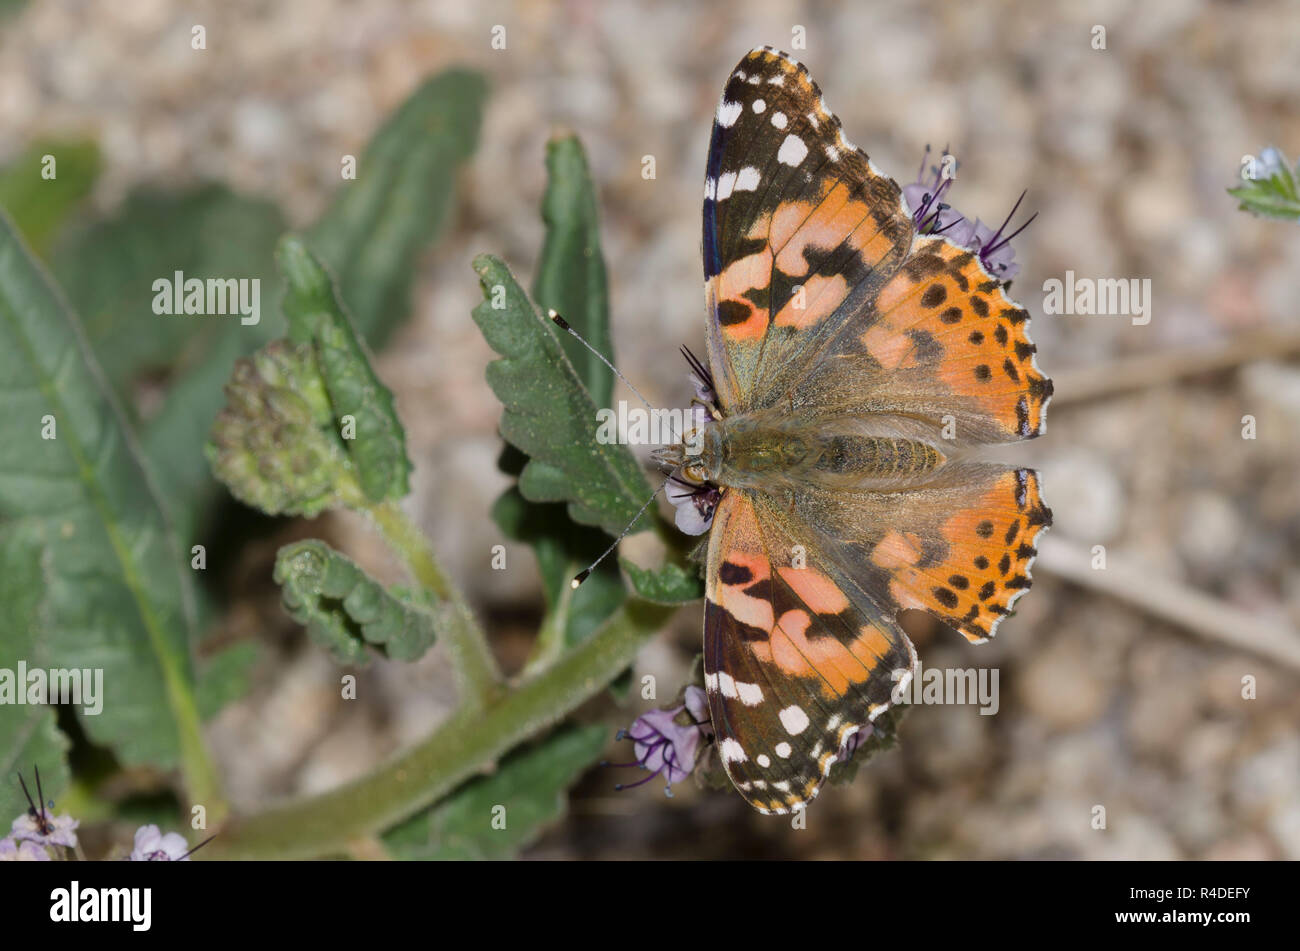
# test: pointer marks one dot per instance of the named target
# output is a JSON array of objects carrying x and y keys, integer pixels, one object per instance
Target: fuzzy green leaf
[
  {"x": 344, "y": 609},
  {"x": 670, "y": 584},
  {"x": 371, "y": 237},
  {"x": 377, "y": 448},
  {"x": 120, "y": 595},
  {"x": 1273, "y": 195},
  {"x": 562, "y": 550},
  {"x": 275, "y": 445},
  {"x": 571, "y": 273},
  {"x": 404, "y": 191},
  {"x": 108, "y": 268},
  {"x": 548, "y": 413},
  {"x": 29, "y": 734},
  {"x": 225, "y": 677},
  {"x": 530, "y": 784},
  {"x": 38, "y": 204}
]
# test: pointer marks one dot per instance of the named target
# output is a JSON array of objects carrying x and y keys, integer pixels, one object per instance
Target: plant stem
[
  {"x": 468, "y": 743},
  {"x": 468, "y": 648}
]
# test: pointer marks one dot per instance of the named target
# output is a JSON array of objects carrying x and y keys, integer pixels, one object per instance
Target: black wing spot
[
  {"x": 946, "y": 596},
  {"x": 934, "y": 295},
  {"x": 730, "y": 573}
]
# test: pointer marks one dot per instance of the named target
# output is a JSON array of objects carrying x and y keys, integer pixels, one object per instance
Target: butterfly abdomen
[
  {"x": 752, "y": 452},
  {"x": 883, "y": 456}
]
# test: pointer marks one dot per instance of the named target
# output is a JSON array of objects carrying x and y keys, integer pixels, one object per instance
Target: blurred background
[{"x": 1120, "y": 687}]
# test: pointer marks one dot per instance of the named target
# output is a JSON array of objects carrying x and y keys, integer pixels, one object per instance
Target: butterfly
[{"x": 853, "y": 363}]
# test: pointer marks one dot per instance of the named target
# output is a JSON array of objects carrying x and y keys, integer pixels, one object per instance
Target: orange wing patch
[
  {"x": 942, "y": 310},
  {"x": 792, "y": 665},
  {"x": 985, "y": 565}
]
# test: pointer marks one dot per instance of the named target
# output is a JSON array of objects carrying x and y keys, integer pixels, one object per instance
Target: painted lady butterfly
[{"x": 844, "y": 347}]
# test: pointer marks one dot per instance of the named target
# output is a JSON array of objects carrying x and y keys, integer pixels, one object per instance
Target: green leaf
[
  {"x": 1272, "y": 196},
  {"x": 529, "y": 783},
  {"x": 373, "y": 233},
  {"x": 671, "y": 584},
  {"x": 39, "y": 205},
  {"x": 571, "y": 274},
  {"x": 548, "y": 414},
  {"x": 275, "y": 445},
  {"x": 29, "y": 734},
  {"x": 371, "y": 237},
  {"x": 108, "y": 268},
  {"x": 344, "y": 609},
  {"x": 316, "y": 316},
  {"x": 120, "y": 595},
  {"x": 226, "y": 677},
  {"x": 562, "y": 550}
]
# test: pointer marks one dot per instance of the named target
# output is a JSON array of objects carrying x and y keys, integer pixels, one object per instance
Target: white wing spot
[
  {"x": 710, "y": 191},
  {"x": 779, "y": 120},
  {"x": 726, "y": 182},
  {"x": 732, "y": 752},
  {"x": 726, "y": 684},
  {"x": 777, "y": 80},
  {"x": 783, "y": 750},
  {"x": 792, "y": 151},
  {"x": 747, "y": 179},
  {"x": 832, "y": 153},
  {"x": 751, "y": 695},
  {"x": 759, "y": 106},
  {"x": 794, "y": 719},
  {"x": 728, "y": 113},
  {"x": 762, "y": 760}
]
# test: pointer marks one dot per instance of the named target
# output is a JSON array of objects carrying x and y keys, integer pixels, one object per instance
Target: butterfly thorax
[{"x": 763, "y": 451}]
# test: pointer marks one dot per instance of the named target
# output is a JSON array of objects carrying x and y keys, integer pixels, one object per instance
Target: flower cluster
[
  {"x": 38, "y": 836},
  {"x": 667, "y": 742},
  {"x": 934, "y": 216}
]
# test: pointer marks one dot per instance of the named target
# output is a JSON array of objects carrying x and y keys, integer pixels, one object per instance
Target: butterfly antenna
[
  {"x": 582, "y": 575},
  {"x": 40, "y": 793},
  {"x": 197, "y": 847},
  {"x": 30, "y": 805},
  {"x": 564, "y": 325}
]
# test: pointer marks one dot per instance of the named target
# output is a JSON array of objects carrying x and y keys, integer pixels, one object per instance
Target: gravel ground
[{"x": 1125, "y": 153}]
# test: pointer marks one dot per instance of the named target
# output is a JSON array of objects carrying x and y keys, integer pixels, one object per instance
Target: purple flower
[
  {"x": 692, "y": 496},
  {"x": 152, "y": 846},
  {"x": 12, "y": 850},
  {"x": 666, "y": 742},
  {"x": 1271, "y": 161},
  {"x": 45, "y": 829},
  {"x": 933, "y": 216},
  {"x": 694, "y": 501}
]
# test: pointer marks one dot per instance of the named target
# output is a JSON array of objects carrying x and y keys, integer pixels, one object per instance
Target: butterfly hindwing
[
  {"x": 796, "y": 657},
  {"x": 800, "y": 230},
  {"x": 959, "y": 546}
]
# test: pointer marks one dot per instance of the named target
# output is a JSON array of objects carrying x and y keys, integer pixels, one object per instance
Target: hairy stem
[
  {"x": 466, "y": 744},
  {"x": 465, "y": 641}
]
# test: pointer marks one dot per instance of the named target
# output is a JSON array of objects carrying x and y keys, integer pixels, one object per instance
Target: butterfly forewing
[{"x": 799, "y": 229}]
